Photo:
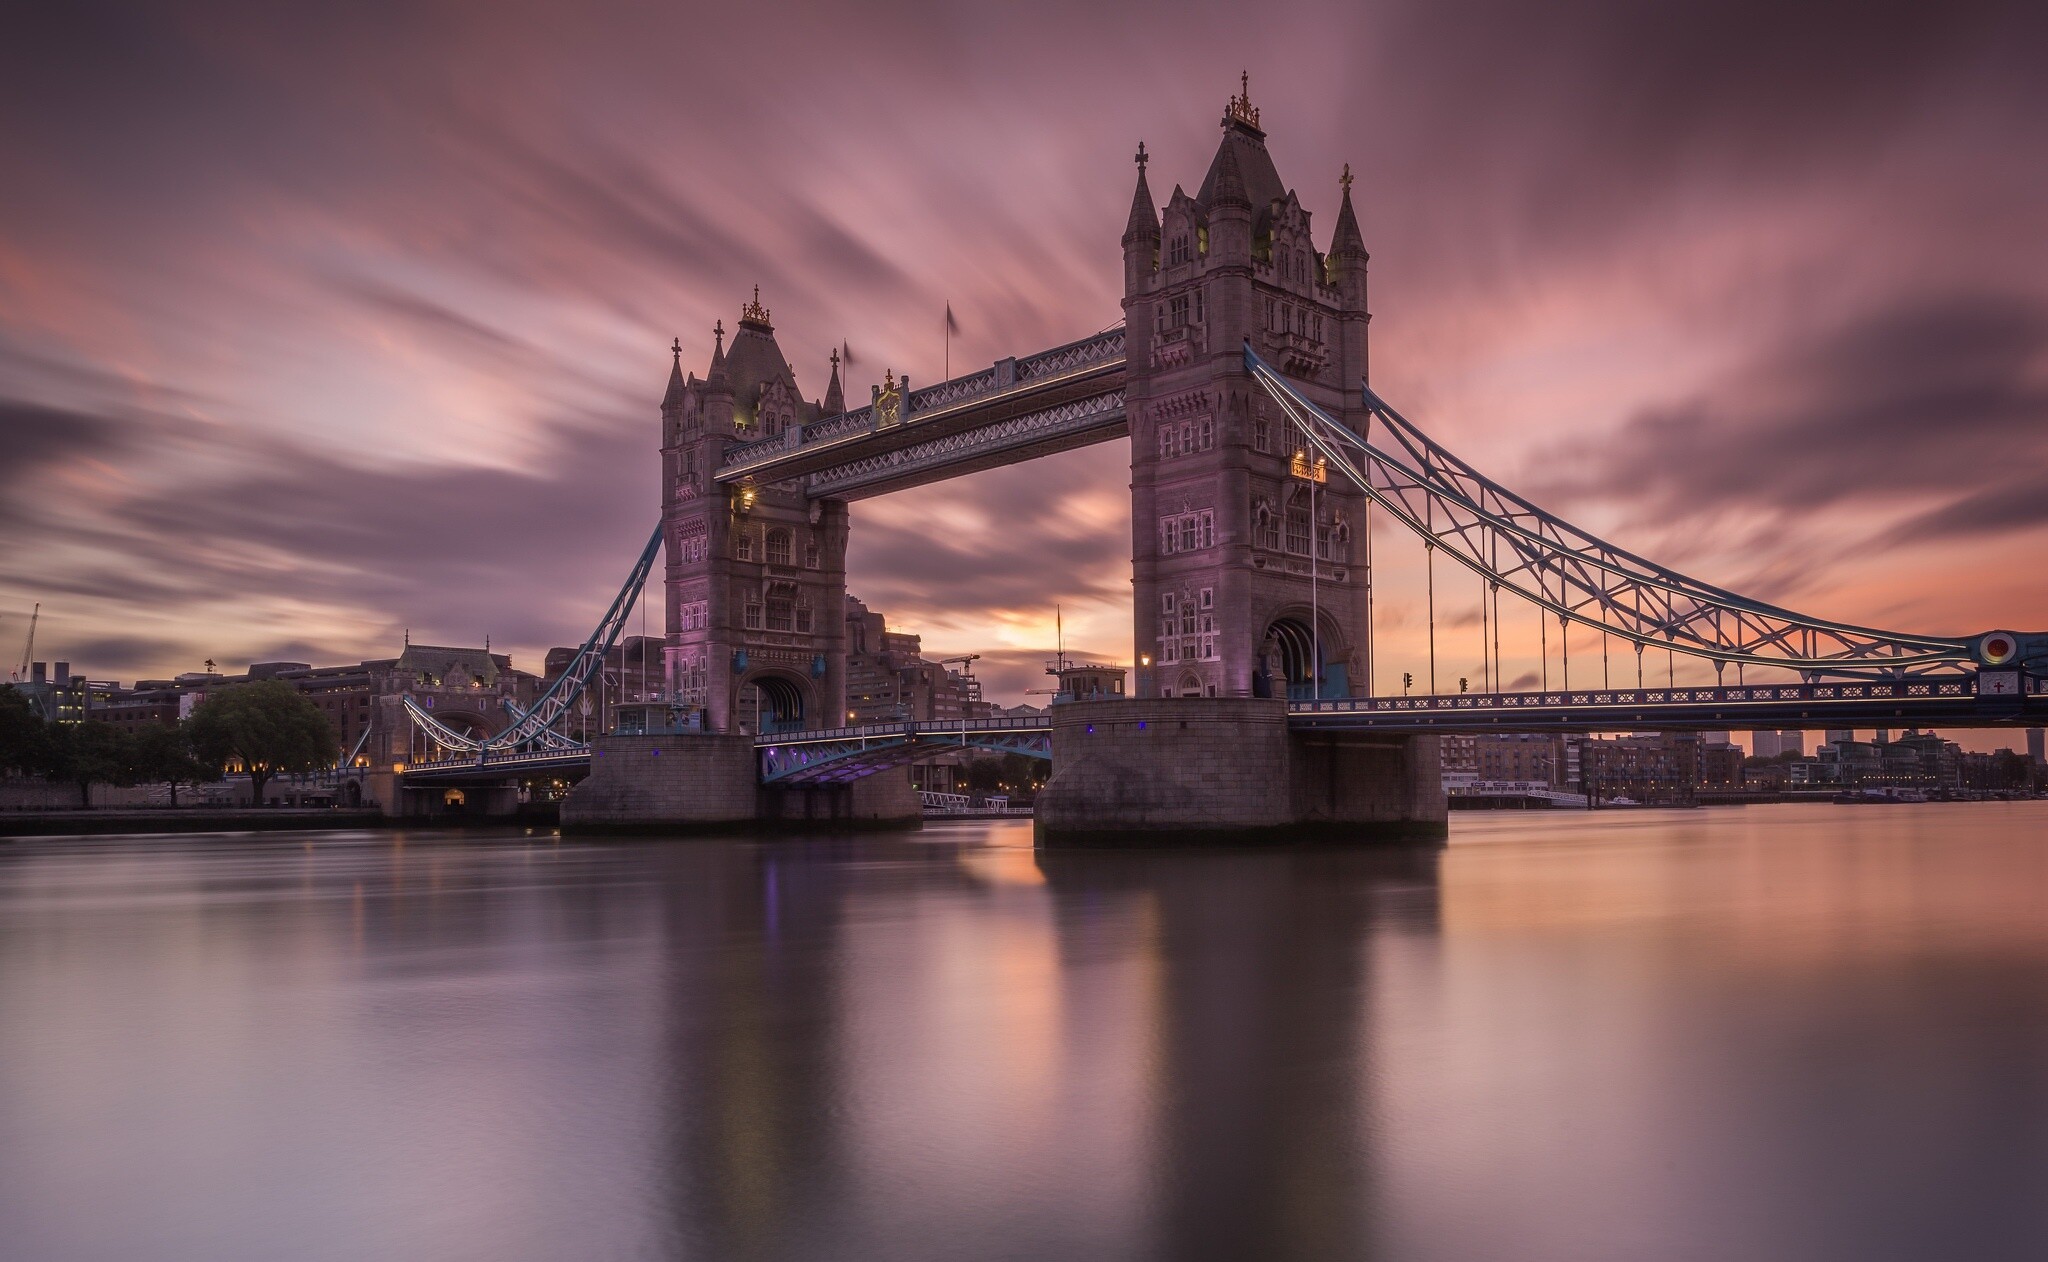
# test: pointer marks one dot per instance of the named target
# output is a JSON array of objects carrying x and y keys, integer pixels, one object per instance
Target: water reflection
[{"x": 1767, "y": 1034}]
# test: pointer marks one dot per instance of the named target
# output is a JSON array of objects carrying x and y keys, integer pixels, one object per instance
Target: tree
[
  {"x": 91, "y": 753},
  {"x": 162, "y": 754},
  {"x": 267, "y": 727},
  {"x": 24, "y": 737}
]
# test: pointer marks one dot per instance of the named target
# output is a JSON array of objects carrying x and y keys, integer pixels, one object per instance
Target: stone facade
[
  {"x": 696, "y": 782},
  {"x": 1176, "y": 771},
  {"x": 755, "y": 577},
  {"x": 1244, "y": 557}
]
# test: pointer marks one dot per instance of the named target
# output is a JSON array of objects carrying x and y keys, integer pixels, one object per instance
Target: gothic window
[
  {"x": 778, "y": 547},
  {"x": 805, "y": 620},
  {"x": 743, "y": 545},
  {"x": 689, "y": 460},
  {"x": 1262, "y": 433},
  {"x": 1166, "y": 603},
  {"x": 811, "y": 552},
  {"x": 1300, "y": 265},
  {"x": 753, "y": 616},
  {"x": 690, "y": 542},
  {"x": 779, "y": 613},
  {"x": 1198, "y": 307},
  {"x": 1187, "y": 436},
  {"x": 1190, "y": 530},
  {"x": 1340, "y": 550},
  {"x": 1297, "y": 523},
  {"x": 1177, "y": 310},
  {"x": 1206, "y": 432},
  {"x": 1166, "y": 535},
  {"x": 1177, "y": 253},
  {"x": 1323, "y": 540},
  {"x": 1271, "y": 318},
  {"x": 1187, "y": 613},
  {"x": 1166, "y": 435},
  {"x": 1318, "y": 329},
  {"x": 1266, "y": 527}
]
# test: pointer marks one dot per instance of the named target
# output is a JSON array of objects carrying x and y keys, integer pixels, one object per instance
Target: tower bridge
[{"x": 1260, "y": 456}]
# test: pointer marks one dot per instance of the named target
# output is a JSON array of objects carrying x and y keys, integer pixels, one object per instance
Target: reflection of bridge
[{"x": 1261, "y": 461}]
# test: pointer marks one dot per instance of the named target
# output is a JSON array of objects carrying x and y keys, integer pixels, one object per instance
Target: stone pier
[
  {"x": 693, "y": 782},
  {"x": 1226, "y": 770}
]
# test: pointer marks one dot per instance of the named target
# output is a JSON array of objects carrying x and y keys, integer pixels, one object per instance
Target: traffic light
[
  {"x": 1407, "y": 681},
  {"x": 1461, "y": 683}
]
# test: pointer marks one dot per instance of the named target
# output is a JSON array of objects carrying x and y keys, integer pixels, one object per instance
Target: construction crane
[{"x": 29, "y": 650}]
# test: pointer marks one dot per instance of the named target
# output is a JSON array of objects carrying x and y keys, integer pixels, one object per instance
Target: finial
[
  {"x": 888, "y": 380},
  {"x": 678, "y": 349},
  {"x": 835, "y": 359},
  {"x": 1141, "y": 155},
  {"x": 1345, "y": 179},
  {"x": 754, "y": 312},
  {"x": 718, "y": 331},
  {"x": 1240, "y": 109}
]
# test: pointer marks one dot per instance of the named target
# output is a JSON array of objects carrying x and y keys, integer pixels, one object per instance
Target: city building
[
  {"x": 1662, "y": 768},
  {"x": 889, "y": 678},
  {"x": 2037, "y": 748}
]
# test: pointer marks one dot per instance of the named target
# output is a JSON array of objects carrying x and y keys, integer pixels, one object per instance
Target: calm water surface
[{"x": 1767, "y": 1033}]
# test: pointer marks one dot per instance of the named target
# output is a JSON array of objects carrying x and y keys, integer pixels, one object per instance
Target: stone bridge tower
[
  {"x": 756, "y": 578},
  {"x": 1247, "y": 556}
]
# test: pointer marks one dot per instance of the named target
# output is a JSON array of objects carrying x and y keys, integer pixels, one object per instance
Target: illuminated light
[
  {"x": 1997, "y": 648},
  {"x": 1141, "y": 725},
  {"x": 1091, "y": 727}
]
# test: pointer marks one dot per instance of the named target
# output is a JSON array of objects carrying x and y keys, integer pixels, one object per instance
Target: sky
[{"x": 323, "y": 324}]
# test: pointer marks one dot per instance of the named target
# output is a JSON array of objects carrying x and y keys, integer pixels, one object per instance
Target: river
[{"x": 1782, "y": 1032}]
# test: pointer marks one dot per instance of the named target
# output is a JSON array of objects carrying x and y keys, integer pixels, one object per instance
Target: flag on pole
[
  {"x": 952, "y": 325},
  {"x": 846, "y": 354}
]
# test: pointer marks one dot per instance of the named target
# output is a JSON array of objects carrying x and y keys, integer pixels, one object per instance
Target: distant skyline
[{"x": 319, "y": 324}]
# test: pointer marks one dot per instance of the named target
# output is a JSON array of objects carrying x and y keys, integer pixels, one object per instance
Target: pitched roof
[{"x": 1242, "y": 168}]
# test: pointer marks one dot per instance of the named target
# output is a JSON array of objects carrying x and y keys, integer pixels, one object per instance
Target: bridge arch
[
  {"x": 773, "y": 700},
  {"x": 1289, "y": 661}
]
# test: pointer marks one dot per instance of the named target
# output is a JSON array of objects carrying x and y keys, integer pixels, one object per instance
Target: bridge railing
[
  {"x": 508, "y": 760},
  {"x": 908, "y": 727},
  {"x": 1917, "y": 688}
]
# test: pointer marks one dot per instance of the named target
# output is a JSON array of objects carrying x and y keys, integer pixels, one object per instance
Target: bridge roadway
[{"x": 844, "y": 754}]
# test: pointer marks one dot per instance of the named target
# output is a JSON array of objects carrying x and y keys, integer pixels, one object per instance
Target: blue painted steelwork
[
  {"x": 1580, "y": 577},
  {"x": 535, "y": 728},
  {"x": 849, "y": 753}
]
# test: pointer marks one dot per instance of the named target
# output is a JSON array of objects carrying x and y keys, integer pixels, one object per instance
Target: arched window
[
  {"x": 1297, "y": 523},
  {"x": 778, "y": 547},
  {"x": 1177, "y": 253}
]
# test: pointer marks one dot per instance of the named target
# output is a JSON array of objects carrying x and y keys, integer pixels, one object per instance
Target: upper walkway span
[{"x": 1019, "y": 409}]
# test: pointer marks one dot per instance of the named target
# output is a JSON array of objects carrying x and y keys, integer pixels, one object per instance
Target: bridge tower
[
  {"x": 756, "y": 577},
  {"x": 1246, "y": 556}
]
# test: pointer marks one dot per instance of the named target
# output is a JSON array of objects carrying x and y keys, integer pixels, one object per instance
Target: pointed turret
[
  {"x": 677, "y": 387},
  {"x": 1348, "y": 243},
  {"x": 835, "y": 398},
  {"x": 1225, "y": 185},
  {"x": 1144, "y": 221},
  {"x": 717, "y": 371}
]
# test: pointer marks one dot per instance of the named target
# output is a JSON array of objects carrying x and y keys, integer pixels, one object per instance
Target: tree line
[{"x": 265, "y": 728}]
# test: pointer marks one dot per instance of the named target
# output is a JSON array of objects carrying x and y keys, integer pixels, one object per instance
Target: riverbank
[{"x": 100, "y": 823}]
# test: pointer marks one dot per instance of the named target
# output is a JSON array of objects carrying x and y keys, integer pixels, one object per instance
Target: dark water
[{"x": 1772, "y": 1033}]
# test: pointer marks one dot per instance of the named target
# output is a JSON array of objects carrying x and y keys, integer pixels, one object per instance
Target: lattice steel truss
[
  {"x": 534, "y": 729},
  {"x": 1579, "y": 577}
]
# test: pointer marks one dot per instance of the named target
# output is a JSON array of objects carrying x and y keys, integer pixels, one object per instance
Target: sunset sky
[{"x": 323, "y": 322}]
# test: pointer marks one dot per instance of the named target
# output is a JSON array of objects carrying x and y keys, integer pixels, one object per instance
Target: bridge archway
[
  {"x": 773, "y": 702},
  {"x": 1291, "y": 662}
]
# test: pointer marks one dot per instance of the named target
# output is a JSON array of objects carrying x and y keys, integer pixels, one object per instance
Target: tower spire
[
  {"x": 718, "y": 346},
  {"x": 676, "y": 387},
  {"x": 835, "y": 398},
  {"x": 1144, "y": 221},
  {"x": 1347, "y": 242}
]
